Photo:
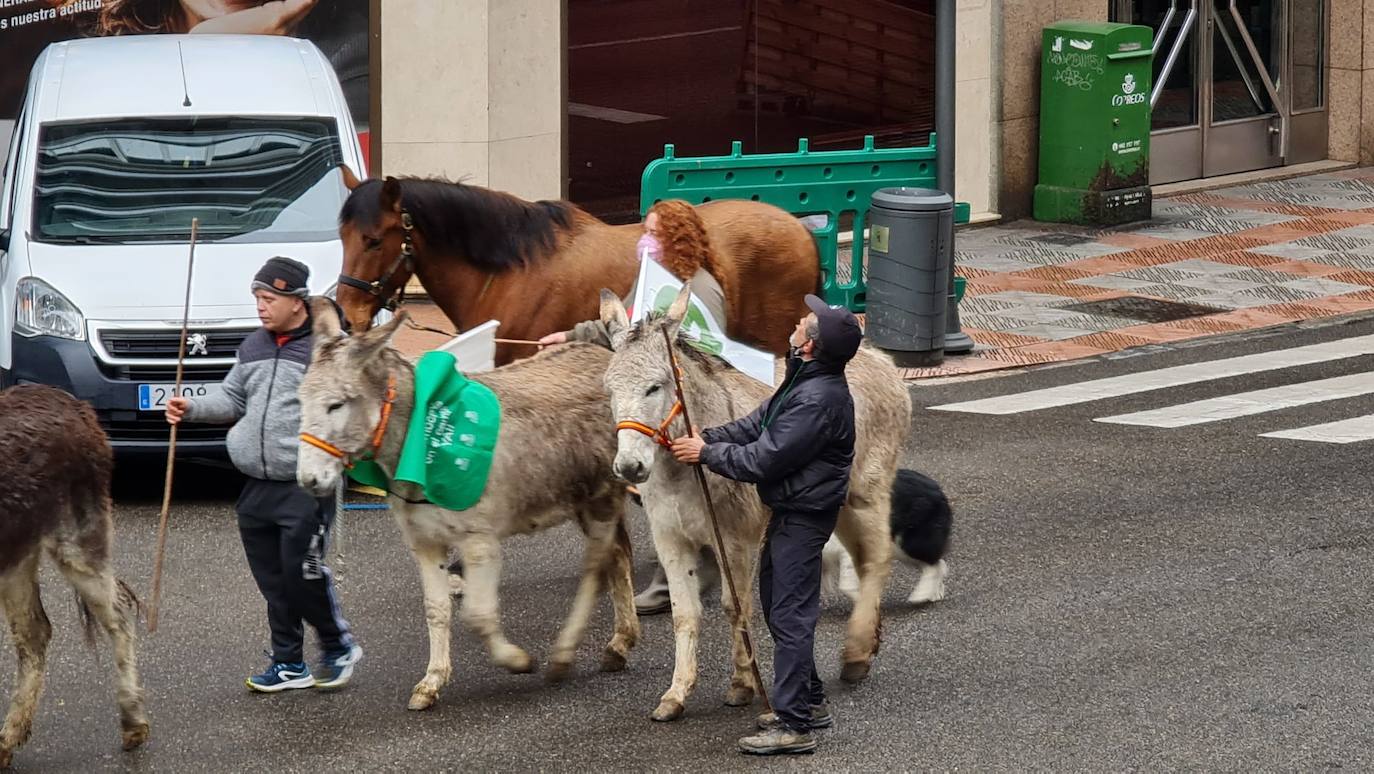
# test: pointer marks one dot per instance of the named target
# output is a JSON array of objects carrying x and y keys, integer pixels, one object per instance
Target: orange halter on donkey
[
  {"x": 660, "y": 435},
  {"x": 377, "y": 434}
]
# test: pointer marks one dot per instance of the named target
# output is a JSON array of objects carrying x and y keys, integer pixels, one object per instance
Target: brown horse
[{"x": 538, "y": 267}]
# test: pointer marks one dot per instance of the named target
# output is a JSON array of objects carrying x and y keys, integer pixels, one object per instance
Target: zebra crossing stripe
[
  {"x": 1247, "y": 403},
  {"x": 1130, "y": 384},
  {"x": 1344, "y": 431}
]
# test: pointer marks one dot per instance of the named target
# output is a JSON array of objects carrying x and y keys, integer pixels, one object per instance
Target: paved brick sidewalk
[{"x": 1222, "y": 261}]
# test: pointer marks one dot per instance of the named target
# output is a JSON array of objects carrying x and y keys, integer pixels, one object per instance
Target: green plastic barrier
[{"x": 829, "y": 183}]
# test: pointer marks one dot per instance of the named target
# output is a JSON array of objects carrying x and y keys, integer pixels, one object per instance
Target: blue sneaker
[
  {"x": 282, "y": 676},
  {"x": 336, "y": 667}
]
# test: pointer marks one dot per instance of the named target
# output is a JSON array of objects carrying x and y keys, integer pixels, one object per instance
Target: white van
[{"x": 120, "y": 142}]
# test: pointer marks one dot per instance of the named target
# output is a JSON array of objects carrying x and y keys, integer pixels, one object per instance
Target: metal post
[{"x": 956, "y": 341}]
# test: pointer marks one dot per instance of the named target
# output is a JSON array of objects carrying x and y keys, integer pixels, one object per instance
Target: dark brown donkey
[
  {"x": 539, "y": 267},
  {"x": 55, "y": 465}
]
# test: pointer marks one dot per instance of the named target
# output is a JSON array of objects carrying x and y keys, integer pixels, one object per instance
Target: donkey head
[
  {"x": 341, "y": 397},
  {"x": 376, "y": 236},
  {"x": 640, "y": 380}
]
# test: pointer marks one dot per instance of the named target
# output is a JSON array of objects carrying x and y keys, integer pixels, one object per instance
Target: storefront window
[{"x": 701, "y": 73}]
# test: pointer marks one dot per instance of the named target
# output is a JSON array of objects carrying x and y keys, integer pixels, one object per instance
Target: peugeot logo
[{"x": 198, "y": 344}]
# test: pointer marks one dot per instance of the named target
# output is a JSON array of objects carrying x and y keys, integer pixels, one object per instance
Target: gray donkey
[
  {"x": 56, "y": 497},
  {"x": 552, "y": 464},
  {"x": 642, "y": 393}
]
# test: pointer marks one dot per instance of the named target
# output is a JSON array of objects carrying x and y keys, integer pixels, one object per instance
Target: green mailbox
[{"x": 1094, "y": 123}]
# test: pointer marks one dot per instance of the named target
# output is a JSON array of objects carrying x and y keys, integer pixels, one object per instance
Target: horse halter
[
  {"x": 377, "y": 434},
  {"x": 381, "y": 287}
]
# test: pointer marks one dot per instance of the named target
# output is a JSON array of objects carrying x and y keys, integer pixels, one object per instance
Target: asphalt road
[{"x": 1120, "y": 598}]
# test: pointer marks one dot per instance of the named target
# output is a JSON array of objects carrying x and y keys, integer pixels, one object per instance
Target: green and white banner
[{"x": 656, "y": 290}]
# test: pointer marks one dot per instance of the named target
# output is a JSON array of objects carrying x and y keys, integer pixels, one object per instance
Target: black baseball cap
[{"x": 840, "y": 333}]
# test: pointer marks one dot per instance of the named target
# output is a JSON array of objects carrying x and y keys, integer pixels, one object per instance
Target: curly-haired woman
[{"x": 675, "y": 236}]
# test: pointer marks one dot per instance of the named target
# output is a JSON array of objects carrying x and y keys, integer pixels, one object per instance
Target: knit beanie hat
[{"x": 283, "y": 276}]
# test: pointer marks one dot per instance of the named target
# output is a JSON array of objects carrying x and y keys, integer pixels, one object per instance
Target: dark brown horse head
[
  {"x": 377, "y": 258},
  {"x": 392, "y": 228}
]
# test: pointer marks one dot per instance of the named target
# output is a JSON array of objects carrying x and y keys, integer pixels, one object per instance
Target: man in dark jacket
[
  {"x": 797, "y": 448},
  {"x": 285, "y": 529}
]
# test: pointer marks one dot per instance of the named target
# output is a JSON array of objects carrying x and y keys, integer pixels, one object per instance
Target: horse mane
[{"x": 492, "y": 230}]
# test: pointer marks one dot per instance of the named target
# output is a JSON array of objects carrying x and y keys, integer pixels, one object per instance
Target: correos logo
[{"x": 1128, "y": 95}]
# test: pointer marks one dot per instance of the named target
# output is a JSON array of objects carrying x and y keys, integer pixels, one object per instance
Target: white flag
[
  {"x": 656, "y": 290},
  {"x": 475, "y": 349}
]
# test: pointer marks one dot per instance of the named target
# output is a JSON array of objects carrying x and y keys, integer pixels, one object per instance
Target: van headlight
[{"x": 39, "y": 310}]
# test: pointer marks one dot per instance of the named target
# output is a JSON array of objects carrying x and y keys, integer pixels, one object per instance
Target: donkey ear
[
  {"x": 391, "y": 195},
  {"x": 678, "y": 309},
  {"x": 350, "y": 180},
  {"x": 614, "y": 317},
  {"x": 326, "y": 317},
  {"x": 368, "y": 345}
]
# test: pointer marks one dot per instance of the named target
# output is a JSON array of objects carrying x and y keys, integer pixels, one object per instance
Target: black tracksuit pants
[
  {"x": 790, "y": 591},
  {"x": 285, "y": 532}
]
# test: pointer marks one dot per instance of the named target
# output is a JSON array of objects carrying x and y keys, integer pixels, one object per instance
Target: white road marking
[
  {"x": 1098, "y": 389},
  {"x": 1344, "y": 431},
  {"x": 1248, "y": 403}
]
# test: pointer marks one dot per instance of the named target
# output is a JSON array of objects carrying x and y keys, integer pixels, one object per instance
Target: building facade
[
  {"x": 572, "y": 98},
  {"x": 1238, "y": 86}
]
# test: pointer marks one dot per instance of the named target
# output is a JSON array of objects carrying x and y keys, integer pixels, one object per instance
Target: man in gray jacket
[{"x": 284, "y": 529}]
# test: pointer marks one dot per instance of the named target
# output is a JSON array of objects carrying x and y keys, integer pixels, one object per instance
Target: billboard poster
[{"x": 338, "y": 27}]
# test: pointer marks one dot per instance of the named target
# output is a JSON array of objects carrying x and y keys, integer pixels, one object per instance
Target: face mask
[{"x": 649, "y": 243}]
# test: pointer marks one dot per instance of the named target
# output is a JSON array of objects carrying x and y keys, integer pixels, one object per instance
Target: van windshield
[{"x": 142, "y": 180}]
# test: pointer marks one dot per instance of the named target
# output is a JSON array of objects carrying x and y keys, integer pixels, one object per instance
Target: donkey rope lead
[
  {"x": 715, "y": 527},
  {"x": 172, "y": 439}
]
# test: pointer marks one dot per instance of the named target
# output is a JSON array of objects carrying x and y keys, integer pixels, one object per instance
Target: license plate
[{"x": 153, "y": 397}]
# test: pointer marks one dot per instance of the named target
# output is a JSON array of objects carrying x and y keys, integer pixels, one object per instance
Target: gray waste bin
[{"x": 909, "y": 246}]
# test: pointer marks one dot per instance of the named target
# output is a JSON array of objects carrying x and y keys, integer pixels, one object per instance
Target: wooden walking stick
[
  {"x": 715, "y": 526},
  {"x": 172, "y": 439}
]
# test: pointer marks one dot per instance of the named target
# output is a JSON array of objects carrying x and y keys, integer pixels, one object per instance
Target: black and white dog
[{"x": 921, "y": 522}]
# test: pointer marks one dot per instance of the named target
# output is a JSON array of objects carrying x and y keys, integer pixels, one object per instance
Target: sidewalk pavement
[
  {"x": 1223, "y": 261},
  {"x": 1226, "y": 260}
]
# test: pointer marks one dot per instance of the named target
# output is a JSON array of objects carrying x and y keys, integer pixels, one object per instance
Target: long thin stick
[
  {"x": 172, "y": 439},
  {"x": 419, "y": 327},
  {"x": 715, "y": 526}
]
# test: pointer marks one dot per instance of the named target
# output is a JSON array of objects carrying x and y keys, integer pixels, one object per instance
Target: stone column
[
  {"x": 472, "y": 89},
  {"x": 1347, "y": 59},
  {"x": 974, "y": 129},
  {"x": 1019, "y": 28}
]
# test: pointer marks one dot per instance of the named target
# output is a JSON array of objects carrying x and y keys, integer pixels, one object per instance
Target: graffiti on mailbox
[{"x": 1076, "y": 68}]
